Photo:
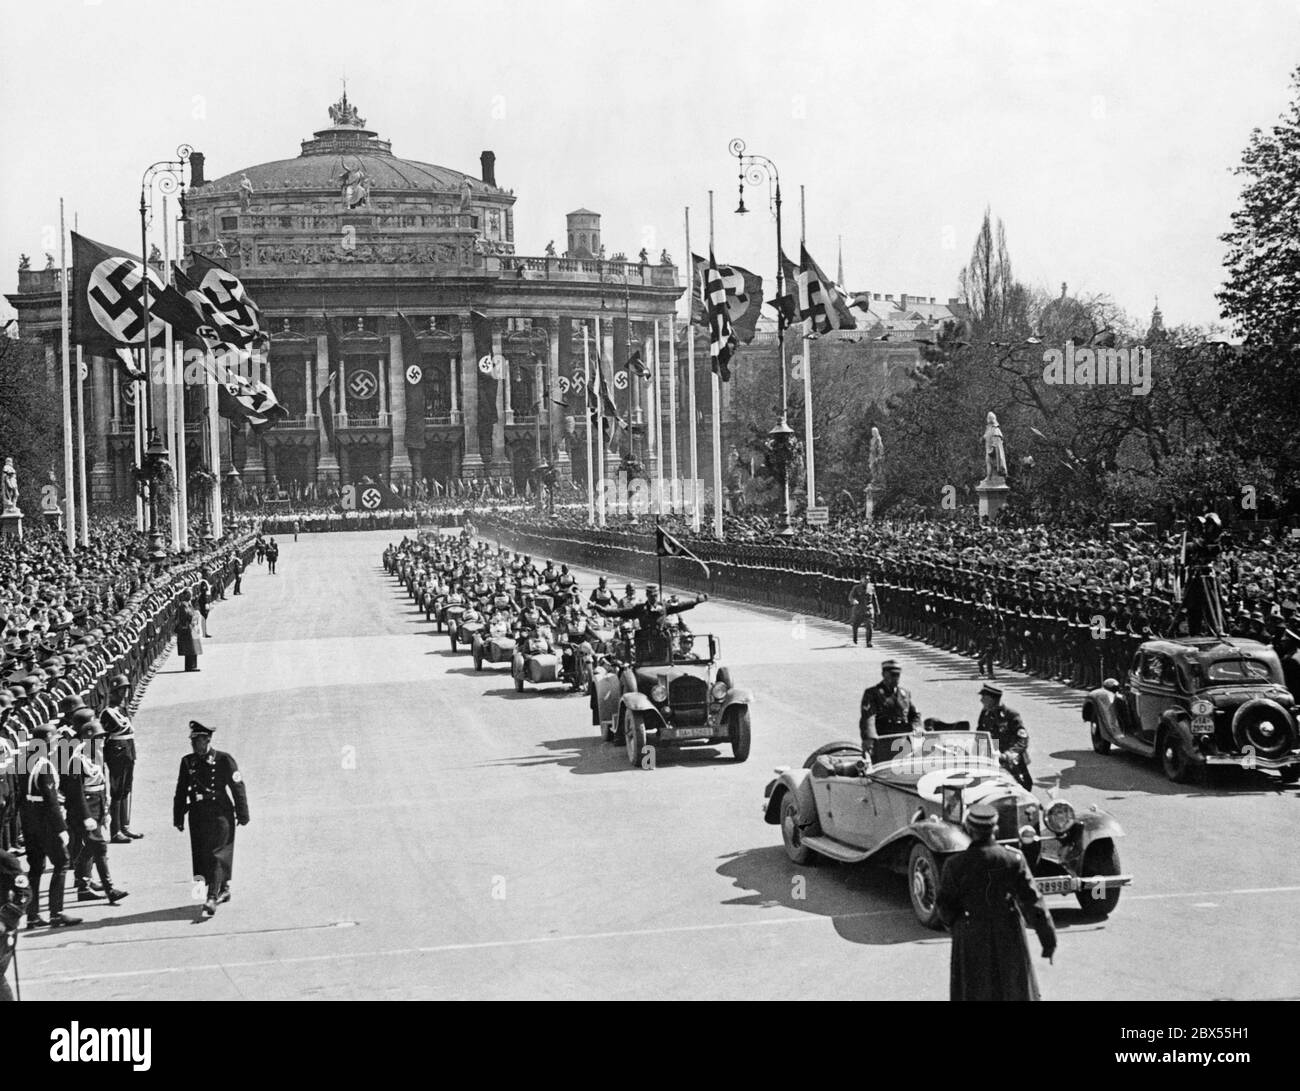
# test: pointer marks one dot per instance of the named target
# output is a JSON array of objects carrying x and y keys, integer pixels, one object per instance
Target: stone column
[
  {"x": 254, "y": 465},
  {"x": 343, "y": 391},
  {"x": 454, "y": 380},
  {"x": 555, "y": 413},
  {"x": 607, "y": 354},
  {"x": 327, "y": 465},
  {"x": 101, "y": 477},
  {"x": 499, "y": 457},
  {"x": 309, "y": 408},
  {"x": 401, "y": 464},
  {"x": 472, "y": 462}
]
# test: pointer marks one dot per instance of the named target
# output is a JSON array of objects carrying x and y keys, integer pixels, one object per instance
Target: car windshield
[
  {"x": 943, "y": 745},
  {"x": 1232, "y": 671}
]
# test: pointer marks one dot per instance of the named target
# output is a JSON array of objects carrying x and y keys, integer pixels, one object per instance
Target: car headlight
[
  {"x": 1059, "y": 817},
  {"x": 719, "y": 691},
  {"x": 659, "y": 694}
]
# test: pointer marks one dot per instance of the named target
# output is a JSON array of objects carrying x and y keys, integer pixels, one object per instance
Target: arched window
[{"x": 582, "y": 240}]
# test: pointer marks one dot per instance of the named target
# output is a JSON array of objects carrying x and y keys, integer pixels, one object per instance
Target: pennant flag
[
  {"x": 637, "y": 366},
  {"x": 722, "y": 338},
  {"x": 327, "y": 392},
  {"x": 107, "y": 300},
  {"x": 744, "y": 297},
  {"x": 245, "y": 399},
  {"x": 668, "y": 546},
  {"x": 412, "y": 358},
  {"x": 823, "y": 305}
]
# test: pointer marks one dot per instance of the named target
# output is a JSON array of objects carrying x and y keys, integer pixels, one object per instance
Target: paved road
[{"x": 422, "y": 831}]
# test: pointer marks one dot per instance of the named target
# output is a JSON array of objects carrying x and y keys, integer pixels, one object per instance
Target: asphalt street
[{"x": 421, "y": 831}]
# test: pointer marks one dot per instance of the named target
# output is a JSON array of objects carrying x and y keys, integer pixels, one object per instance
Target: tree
[
  {"x": 31, "y": 414},
  {"x": 1262, "y": 291}
]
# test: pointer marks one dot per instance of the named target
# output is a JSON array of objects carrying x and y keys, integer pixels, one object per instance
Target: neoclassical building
[{"x": 348, "y": 235}]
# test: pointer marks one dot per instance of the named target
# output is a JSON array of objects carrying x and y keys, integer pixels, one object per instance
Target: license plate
[
  {"x": 1203, "y": 724},
  {"x": 1063, "y": 884},
  {"x": 692, "y": 732}
]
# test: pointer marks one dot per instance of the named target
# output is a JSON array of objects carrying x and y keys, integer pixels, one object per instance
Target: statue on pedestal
[
  {"x": 995, "y": 452},
  {"x": 10, "y": 489},
  {"x": 875, "y": 457}
]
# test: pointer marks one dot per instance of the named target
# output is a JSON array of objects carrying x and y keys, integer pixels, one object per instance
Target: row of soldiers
[{"x": 65, "y": 795}]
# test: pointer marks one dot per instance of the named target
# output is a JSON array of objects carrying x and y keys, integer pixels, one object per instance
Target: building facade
[{"x": 337, "y": 246}]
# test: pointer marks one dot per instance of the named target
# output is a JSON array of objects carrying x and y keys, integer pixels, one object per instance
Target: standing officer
[
  {"x": 863, "y": 603},
  {"x": 119, "y": 756},
  {"x": 987, "y": 629},
  {"x": 44, "y": 828},
  {"x": 237, "y": 572},
  {"x": 272, "y": 555},
  {"x": 86, "y": 790},
  {"x": 887, "y": 709},
  {"x": 983, "y": 892},
  {"x": 14, "y": 895},
  {"x": 210, "y": 789},
  {"x": 1008, "y": 730}
]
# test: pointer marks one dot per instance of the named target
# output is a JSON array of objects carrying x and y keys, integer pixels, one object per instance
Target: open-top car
[
  {"x": 1199, "y": 702},
  {"x": 906, "y": 814},
  {"x": 676, "y": 698},
  {"x": 495, "y": 645}
]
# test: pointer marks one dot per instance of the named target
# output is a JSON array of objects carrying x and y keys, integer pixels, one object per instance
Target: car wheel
[
  {"x": 453, "y": 642},
  {"x": 1101, "y": 858},
  {"x": 1174, "y": 761},
  {"x": 519, "y": 682},
  {"x": 791, "y": 834},
  {"x": 923, "y": 885},
  {"x": 739, "y": 732},
  {"x": 634, "y": 737},
  {"x": 478, "y": 656},
  {"x": 1100, "y": 743}
]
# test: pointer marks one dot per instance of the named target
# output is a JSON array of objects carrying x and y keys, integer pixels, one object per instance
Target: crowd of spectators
[{"x": 1065, "y": 603}]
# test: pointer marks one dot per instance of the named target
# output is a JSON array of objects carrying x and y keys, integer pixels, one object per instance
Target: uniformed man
[
  {"x": 119, "y": 755},
  {"x": 983, "y": 892},
  {"x": 862, "y": 608},
  {"x": 887, "y": 710},
  {"x": 210, "y": 789},
  {"x": 14, "y": 897},
  {"x": 601, "y": 595},
  {"x": 988, "y": 623},
  {"x": 44, "y": 828},
  {"x": 86, "y": 789},
  {"x": 651, "y": 640},
  {"x": 1008, "y": 731}
]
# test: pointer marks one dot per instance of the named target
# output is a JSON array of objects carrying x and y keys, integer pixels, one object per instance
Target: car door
[
  {"x": 853, "y": 811},
  {"x": 1157, "y": 692}
]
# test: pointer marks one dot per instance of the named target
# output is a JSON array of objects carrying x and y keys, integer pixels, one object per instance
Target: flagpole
[
  {"x": 214, "y": 450},
  {"x": 675, "y": 486},
  {"x": 182, "y": 458},
  {"x": 659, "y": 432},
  {"x": 690, "y": 383},
  {"x": 717, "y": 422},
  {"x": 69, "y": 503},
  {"x": 586, "y": 417},
  {"x": 169, "y": 380},
  {"x": 600, "y": 423},
  {"x": 137, "y": 419},
  {"x": 811, "y": 484},
  {"x": 81, "y": 464}
]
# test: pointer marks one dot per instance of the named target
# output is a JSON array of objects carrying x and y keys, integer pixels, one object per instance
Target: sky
[{"x": 1103, "y": 134}]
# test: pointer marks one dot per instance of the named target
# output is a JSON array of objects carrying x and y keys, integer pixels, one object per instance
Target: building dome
[{"x": 344, "y": 147}]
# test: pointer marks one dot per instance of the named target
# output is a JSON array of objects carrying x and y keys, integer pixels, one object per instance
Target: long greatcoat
[
  {"x": 982, "y": 893},
  {"x": 189, "y": 631}
]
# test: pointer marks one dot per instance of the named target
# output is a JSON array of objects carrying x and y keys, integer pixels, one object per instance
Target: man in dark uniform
[
  {"x": 601, "y": 595},
  {"x": 119, "y": 755},
  {"x": 44, "y": 828},
  {"x": 14, "y": 896},
  {"x": 1008, "y": 731},
  {"x": 887, "y": 710},
  {"x": 651, "y": 639},
  {"x": 863, "y": 606},
  {"x": 987, "y": 626},
  {"x": 86, "y": 789},
  {"x": 983, "y": 893},
  {"x": 210, "y": 789}
]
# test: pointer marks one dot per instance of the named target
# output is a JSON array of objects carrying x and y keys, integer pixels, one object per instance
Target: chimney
[
  {"x": 489, "y": 172},
  {"x": 196, "y": 169}
]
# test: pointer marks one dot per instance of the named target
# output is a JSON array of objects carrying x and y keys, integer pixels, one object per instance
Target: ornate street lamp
[
  {"x": 167, "y": 176},
  {"x": 756, "y": 169}
]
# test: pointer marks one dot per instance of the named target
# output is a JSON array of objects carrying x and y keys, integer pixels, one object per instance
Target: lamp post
[
  {"x": 755, "y": 169},
  {"x": 168, "y": 176}
]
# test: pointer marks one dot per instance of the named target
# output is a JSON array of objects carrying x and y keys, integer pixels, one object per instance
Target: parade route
[{"x": 421, "y": 831}]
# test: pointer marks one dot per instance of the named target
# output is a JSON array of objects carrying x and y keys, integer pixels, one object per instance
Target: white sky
[{"x": 1103, "y": 133}]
